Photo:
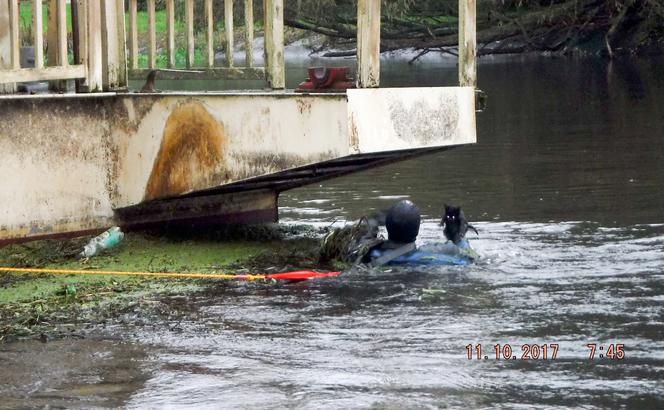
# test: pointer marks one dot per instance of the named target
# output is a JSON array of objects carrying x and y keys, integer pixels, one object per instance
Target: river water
[{"x": 564, "y": 187}]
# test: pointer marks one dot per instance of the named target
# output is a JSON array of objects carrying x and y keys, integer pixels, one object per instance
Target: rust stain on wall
[
  {"x": 354, "y": 135},
  {"x": 191, "y": 155},
  {"x": 303, "y": 106}
]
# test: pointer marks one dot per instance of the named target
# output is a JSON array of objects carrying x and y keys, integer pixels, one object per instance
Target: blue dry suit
[{"x": 434, "y": 254}]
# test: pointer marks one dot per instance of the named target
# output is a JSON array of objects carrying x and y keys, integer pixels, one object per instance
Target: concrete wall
[
  {"x": 69, "y": 161},
  {"x": 178, "y": 144},
  {"x": 401, "y": 118}
]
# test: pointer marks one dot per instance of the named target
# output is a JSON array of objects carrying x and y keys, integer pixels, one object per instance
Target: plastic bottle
[{"x": 106, "y": 240}]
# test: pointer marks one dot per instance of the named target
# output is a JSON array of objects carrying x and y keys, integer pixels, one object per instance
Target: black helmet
[{"x": 403, "y": 222}]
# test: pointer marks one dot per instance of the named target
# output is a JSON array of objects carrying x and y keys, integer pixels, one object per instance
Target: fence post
[
  {"x": 368, "y": 43},
  {"x": 57, "y": 39},
  {"x": 209, "y": 39},
  {"x": 79, "y": 9},
  {"x": 94, "y": 46},
  {"x": 228, "y": 25},
  {"x": 152, "y": 50},
  {"x": 467, "y": 43},
  {"x": 189, "y": 21},
  {"x": 114, "y": 52},
  {"x": 170, "y": 28},
  {"x": 6, "y": 44},
  {"x": 249, "y": 32},
  {"x": 121, "y": 33},
  {"x": 38, "y": 33},
  {"x": 274, "y": 43},
  {"x": 133, "y": 34}
]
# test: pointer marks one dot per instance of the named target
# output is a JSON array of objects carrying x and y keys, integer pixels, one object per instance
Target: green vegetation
[
  {"x": 32, "y": 304},
  {"x": 138, "y": 253},
  {"x": 160, "y": 18},
  {"x": 26, "y": 16},
  {"x": 503, "y": 26},
  {"x": 142, "y": 27}
]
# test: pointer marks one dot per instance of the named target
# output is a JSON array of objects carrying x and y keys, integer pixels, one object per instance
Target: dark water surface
[{"x": 564, "y": 187}]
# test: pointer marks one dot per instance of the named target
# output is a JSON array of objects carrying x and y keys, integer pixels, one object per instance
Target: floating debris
[
  {"x": 106, "y": 240},
  {"x": 351, "y": 242}
]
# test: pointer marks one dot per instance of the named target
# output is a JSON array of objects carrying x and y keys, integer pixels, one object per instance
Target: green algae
[
  {"x": 34, "y": 304},
  {"x": 138, "y": 253}
]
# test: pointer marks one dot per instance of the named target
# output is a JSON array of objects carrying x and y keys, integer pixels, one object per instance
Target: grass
[
  {"x": 161, "y": 22},
  {"x": 25, "y": 15},
  {"x": 142, "y": 27}
]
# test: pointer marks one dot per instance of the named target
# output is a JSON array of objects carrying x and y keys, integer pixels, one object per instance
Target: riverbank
[
  {"x": 49, "y": 306},
  {"x": 587, "y": 27}
]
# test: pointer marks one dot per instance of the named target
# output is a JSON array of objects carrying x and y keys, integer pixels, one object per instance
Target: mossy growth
[
  {"x": 31, "y": 303},
  {"x": 221, "y": 250}
]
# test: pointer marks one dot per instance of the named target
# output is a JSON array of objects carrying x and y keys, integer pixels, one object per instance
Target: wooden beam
[
  {"x": 228, "y": 25},
  {"x": 467, "y": 43},
  {"x": 52, "y": 33},
  {"x": 368, "y": 43},
  {"x": 80, "y": 21},
  {"x": 109, "y": 44},
  {"x": 57, "y": 33},
  {"x": 62, "y": 32},
  {"x": 152, "y": 51},
  {"x": 43, "y": 74},
  {"x": 170, "y": 24},
  {"x": 189, "y": 17},
  {"x": 274, "y": 43},
  {"x": 216, "y": 73},
  {"x": 37, "y": 32},
  {"x": 114, "y": 72},
  {"x": 249, "y": 32},
  {"x": 6, "y": 44},
  {"x": 57, "y": 39},
  {"x": 121, "y": 45},
  {"x": 95, "y": 63},
  {"x": 14, "y": 23},
  {"x": 133, "y": 34},
  {"x": 209, "y": 14}
]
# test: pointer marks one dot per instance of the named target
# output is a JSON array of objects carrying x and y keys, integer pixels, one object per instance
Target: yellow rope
[{"x": 122, "y": 273}]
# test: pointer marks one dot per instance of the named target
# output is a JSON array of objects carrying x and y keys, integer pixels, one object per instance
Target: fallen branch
[
  {"x": 551, "y": 28},
  {"x": 614, "y": 27}
]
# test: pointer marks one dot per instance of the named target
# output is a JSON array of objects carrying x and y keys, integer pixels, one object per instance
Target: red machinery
[{"x": 324, "y": 79}]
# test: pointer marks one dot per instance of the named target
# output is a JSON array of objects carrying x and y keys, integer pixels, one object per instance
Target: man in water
[
  {"x": 360, "y": 242},
  {"x": 403, "y": 224}
]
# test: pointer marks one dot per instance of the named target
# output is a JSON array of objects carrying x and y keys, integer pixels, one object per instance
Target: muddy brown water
[{"x": 564, "y": 187}]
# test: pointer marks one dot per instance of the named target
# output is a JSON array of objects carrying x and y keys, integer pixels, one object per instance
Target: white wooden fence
[
  {"x": 98, "y": 46},
  {"x": 273, "y": 71},
  {"x": 100, "y": 42}
]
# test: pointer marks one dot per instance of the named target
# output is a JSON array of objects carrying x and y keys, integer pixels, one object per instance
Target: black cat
[{"x": 455, "y": 224}]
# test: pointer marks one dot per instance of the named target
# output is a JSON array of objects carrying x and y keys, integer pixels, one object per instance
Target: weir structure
[{"x": 89, "y": 154}]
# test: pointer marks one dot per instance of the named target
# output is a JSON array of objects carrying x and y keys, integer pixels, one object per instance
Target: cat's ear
[{"x": 447, "y": 207}]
